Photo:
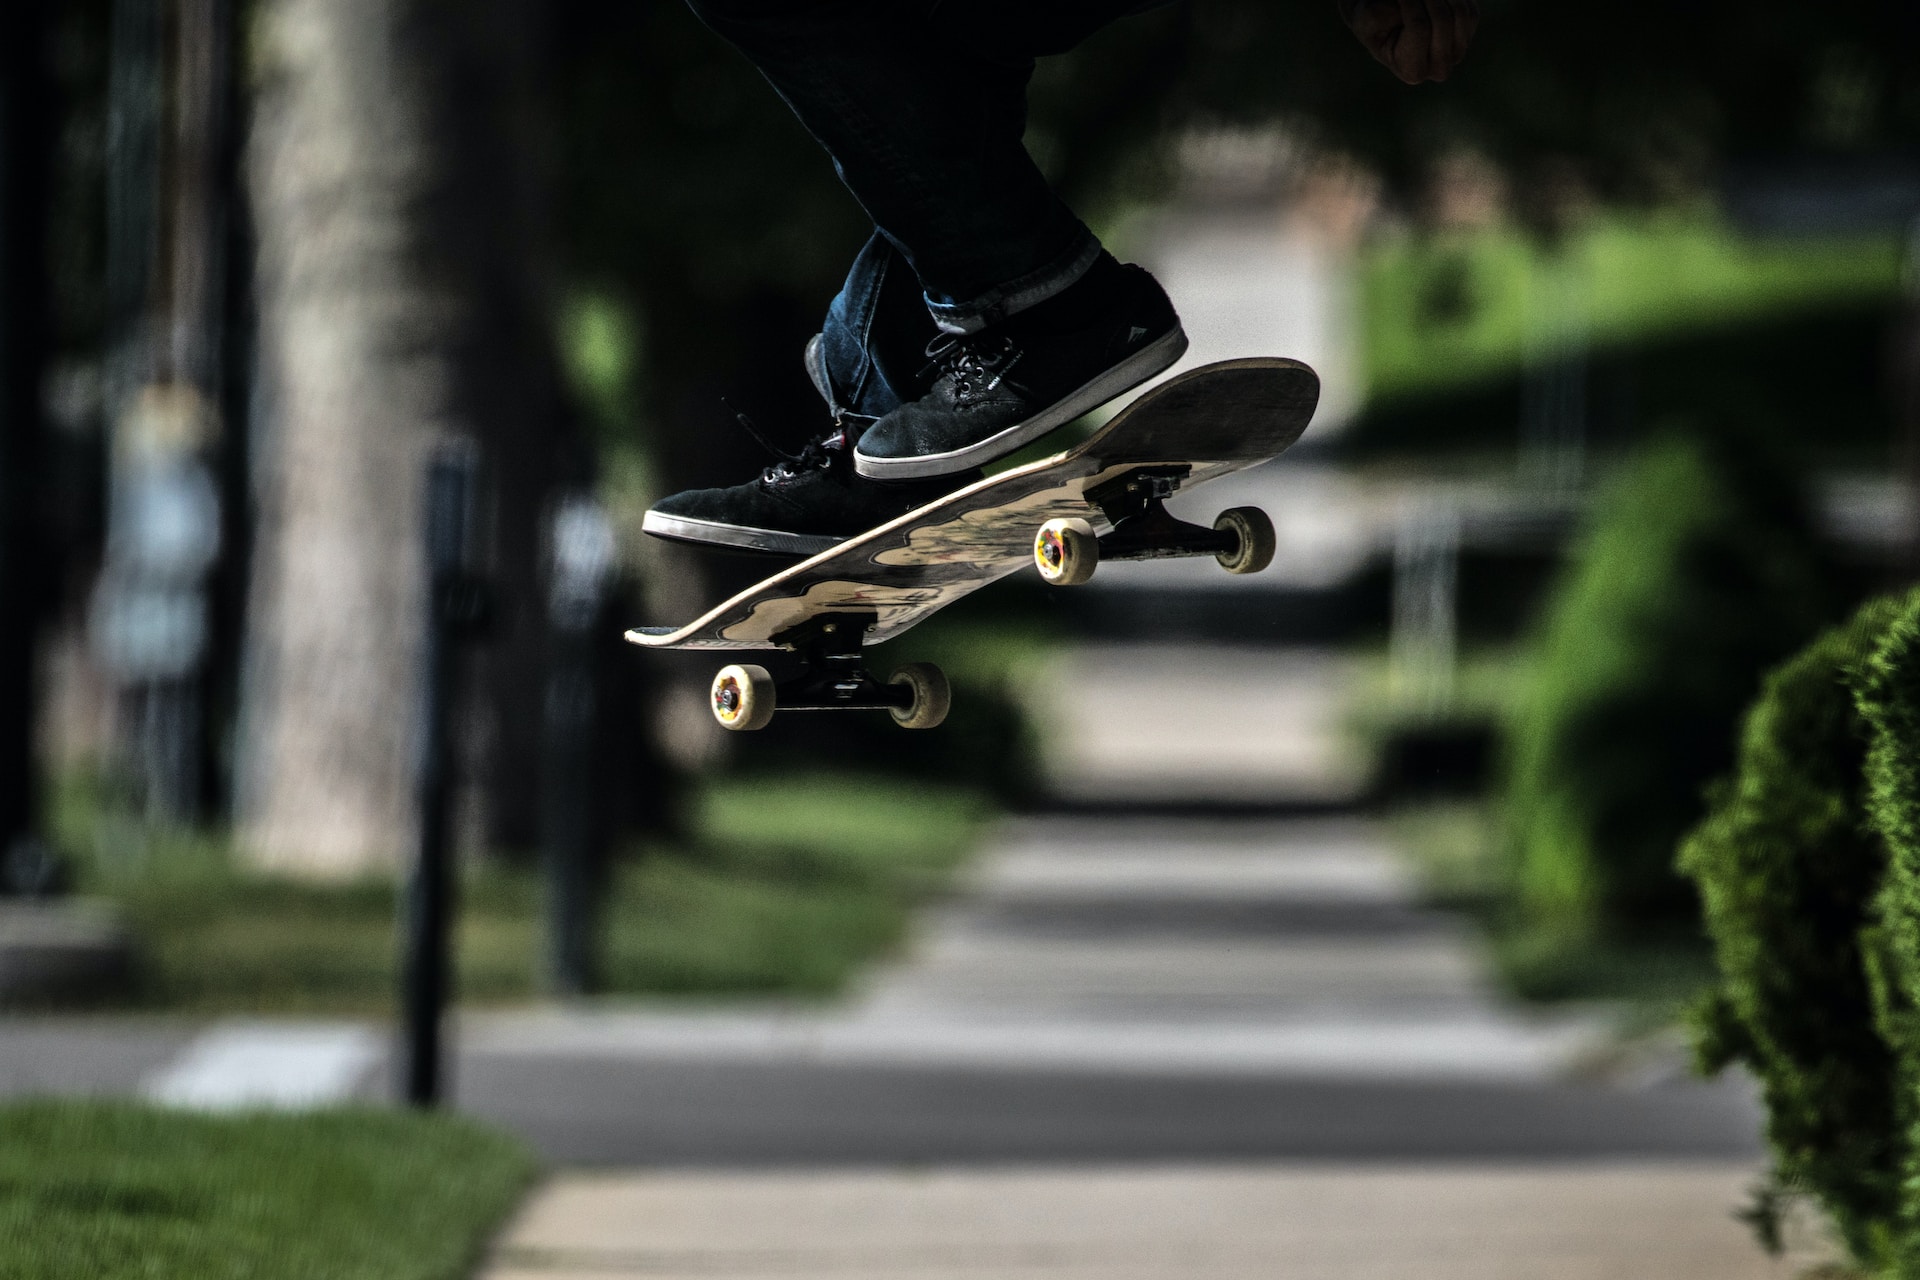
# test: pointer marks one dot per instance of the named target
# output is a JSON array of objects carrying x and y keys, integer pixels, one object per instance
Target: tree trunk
[
  {"x": 26, "y": 123},
  {"x": 393, "y": 167}
]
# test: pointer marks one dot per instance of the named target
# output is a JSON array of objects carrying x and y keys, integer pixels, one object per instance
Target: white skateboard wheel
[
  {"x": 743, "y": 697},
  {"x": 932, "y": 696},
  {"x": 1066, "y": 551},
  {"x": 1256, "y": 540}
]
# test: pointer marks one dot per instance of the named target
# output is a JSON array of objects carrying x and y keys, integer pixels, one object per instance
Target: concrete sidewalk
[
  {"x": 1267, "y": 949},
  {"x": 1275, "y": 1222},
  {"x": 1122, "y": 989}
]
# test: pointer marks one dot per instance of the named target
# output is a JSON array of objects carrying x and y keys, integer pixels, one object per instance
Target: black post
[
  {"x": 25, "y": 153},
  {"x": 573, "y": 817},
  {"x": 453, "y": 608}
]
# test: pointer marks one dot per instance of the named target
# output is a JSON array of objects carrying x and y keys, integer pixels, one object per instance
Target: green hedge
[
  {"x": 1809, "y": 871},
  {"x": 1697, "y": 573}
]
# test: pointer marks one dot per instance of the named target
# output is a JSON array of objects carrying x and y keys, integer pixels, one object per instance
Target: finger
[
  {"x": 1414, "y": 49},
  {"x": 1466, "y": 21},
  {"x": 1440, "y": 56},
  {"x": 1379, "y": 27}
]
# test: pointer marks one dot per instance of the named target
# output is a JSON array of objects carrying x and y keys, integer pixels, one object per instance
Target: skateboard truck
[
  {"x": 833, "y": 676},
  {"x": 1067, "y": 551}
]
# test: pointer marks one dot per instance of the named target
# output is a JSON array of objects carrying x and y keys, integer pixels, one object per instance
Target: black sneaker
[
  {"x": 1041, "y": 368},
  {"x": 805, "y": 504}
]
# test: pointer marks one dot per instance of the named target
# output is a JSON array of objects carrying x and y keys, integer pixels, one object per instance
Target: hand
[{"x": 1417, "y": 40}]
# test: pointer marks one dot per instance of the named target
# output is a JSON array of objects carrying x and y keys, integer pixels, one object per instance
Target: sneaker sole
[
  {"x": 712, "y": 533},
  {"x": 1154, "y": 358}
]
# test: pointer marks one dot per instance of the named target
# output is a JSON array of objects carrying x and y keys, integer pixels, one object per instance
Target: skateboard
[{"x": 1101, "y": 500}]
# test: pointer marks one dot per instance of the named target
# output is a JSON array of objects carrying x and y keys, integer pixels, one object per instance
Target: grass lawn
[
  {"x": 90, "y": 1190},
  {"x": 782, "y": 886},
  {"x": 1450, "y": 311}
]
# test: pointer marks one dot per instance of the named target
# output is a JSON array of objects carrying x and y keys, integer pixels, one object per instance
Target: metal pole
[
  {"x": 583, "y": 552},
  {"x": 452, "y": 611}
]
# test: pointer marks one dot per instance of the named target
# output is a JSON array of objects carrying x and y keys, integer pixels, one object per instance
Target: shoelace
[
  {"x": 974, "y": 363},
  {"x": 816, "y": 455}
]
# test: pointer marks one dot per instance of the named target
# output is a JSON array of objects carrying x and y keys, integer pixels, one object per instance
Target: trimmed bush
[
  {"x": 1890, "y": 703},
  {"x": 1698, "y": 572},
  {"x": 1788, "y": 872}
]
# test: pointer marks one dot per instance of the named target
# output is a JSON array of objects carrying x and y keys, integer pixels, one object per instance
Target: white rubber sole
[
  {"x": 712, "y": 533},
  {"x": 1154, "y": 358}
]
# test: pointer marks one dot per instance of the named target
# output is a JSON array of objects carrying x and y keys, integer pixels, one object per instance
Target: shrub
[
  {"x": 1890, "y": 703},
  {"x": 1788, "y": 870},
  {"x": 1697, "y": 574}
]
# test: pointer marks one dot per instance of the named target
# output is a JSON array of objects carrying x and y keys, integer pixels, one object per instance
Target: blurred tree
[
  {"x": 26, "y": 135},
  {"x": 1648, "y": 96},
  {"x": 396, "y": 175},
  {"x": 169, "y": 202},
  {"x": 1699, "y": 570}
]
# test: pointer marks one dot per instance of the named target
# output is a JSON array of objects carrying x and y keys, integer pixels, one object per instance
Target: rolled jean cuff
[{"x": 1017, "y": 295}]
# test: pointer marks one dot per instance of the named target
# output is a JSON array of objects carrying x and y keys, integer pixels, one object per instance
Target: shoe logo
[
  {"x": 1135, "y": 334},
  {"x": 1006, "y": 369}
]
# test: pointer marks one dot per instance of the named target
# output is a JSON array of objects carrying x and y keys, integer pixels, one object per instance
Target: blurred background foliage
[
  {"x": 780, "y": 883},
  {"x": 1699, "y": 568}
]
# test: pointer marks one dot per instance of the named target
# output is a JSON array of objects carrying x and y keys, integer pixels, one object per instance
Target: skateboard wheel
[
  {"x": 932, "y": 696},
  {"x": 1256, "y": 541},
  {"x": 1066, "y": 551},
  {"x": 743, "y": 697}
]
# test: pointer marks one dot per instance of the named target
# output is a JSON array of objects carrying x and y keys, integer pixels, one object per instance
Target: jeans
[{"x": 922, "y": 104}]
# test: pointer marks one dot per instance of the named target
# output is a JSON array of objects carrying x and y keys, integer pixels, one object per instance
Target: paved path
[
  {"x": 1133, "y": 989},
  {"x": 1132, "y": 1049},
  {"x": 1516, "y": 1222},
  {"x": 1192, "y": 724},
  {"x": 1138, "y": 989}
]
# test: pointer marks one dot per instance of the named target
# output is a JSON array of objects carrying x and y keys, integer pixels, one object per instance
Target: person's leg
[
  {"x": 871, "y": 356},
  {"x": 923, "y": 111},
  {"x": 924, "y": 120}
]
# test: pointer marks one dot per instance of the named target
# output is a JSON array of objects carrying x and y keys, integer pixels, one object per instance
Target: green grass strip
[
  {"x": 1451, "y": 311},
  {"x": 91, "y": 1189},
  {"x": 780, "y": 885}
]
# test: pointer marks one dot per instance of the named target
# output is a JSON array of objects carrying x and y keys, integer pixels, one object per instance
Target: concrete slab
[
  {"x": 1629, "y": 1221},
  {"x": 1190, "y": 724},
  {"x": 1283, "y": 949}
]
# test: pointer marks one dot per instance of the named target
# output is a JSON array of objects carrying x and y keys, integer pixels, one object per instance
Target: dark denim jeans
[{"x": 922, "y": 105}]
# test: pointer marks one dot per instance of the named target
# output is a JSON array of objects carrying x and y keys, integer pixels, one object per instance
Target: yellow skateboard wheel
[
  {"x": 743, "y": 697},
  {"x": 1066, "y": 551}
]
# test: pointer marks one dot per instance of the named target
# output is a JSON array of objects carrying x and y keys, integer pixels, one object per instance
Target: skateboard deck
[{"x": 1203, "y": 424}]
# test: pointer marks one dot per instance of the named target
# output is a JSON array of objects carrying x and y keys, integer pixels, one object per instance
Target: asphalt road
[{"x": 586, "y": 1111}]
